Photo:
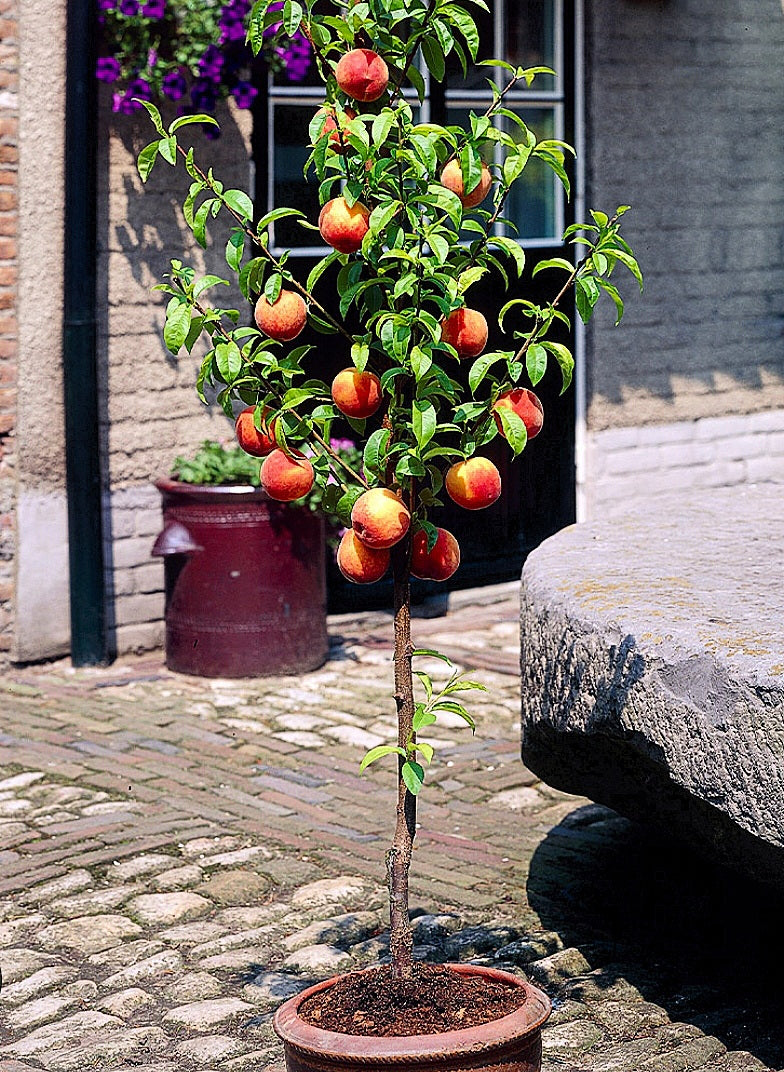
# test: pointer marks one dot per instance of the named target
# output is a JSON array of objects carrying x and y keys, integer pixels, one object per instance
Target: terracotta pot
[{"x": 511, "y": 1044}]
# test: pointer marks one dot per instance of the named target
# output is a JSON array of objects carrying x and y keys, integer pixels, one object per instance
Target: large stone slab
[{"x": 653, "y": 669}]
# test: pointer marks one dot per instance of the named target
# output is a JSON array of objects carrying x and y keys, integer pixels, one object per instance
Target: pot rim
[
  {"x": 169, "y": 485},
  {"x": 444, "y": 1045}
]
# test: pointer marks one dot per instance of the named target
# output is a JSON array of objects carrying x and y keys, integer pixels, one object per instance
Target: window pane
[
  {"x": 289, "y": 186},
  {"x": 531, "y": 205},
  {"x": 529, "y": 27}
]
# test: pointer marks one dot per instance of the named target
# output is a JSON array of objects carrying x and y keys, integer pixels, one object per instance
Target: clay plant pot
[{"x": 512, "y": 1043}]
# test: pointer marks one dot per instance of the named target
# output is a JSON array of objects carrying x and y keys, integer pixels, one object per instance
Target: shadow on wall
[
  {"x": 688, "y": 935},
  {"x": 686, "y": 107},
  {"x": 150, "y": 412}
]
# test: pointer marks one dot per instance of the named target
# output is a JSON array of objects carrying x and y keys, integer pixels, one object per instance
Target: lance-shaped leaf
[{"x": 378, "y": 752}]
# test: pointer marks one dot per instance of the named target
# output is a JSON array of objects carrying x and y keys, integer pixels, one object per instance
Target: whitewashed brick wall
[{"x": 642, "y": 464}]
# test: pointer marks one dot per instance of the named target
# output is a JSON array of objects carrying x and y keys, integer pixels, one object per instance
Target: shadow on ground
[{"x": 700, "y": 941}]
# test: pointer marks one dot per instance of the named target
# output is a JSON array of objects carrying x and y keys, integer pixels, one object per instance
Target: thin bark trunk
[{"x": 399, "y": 855}]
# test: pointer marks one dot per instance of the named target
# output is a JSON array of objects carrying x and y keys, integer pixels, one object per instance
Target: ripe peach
[
  {"x": 360, "y": 563},
  {"x": 452, "y": 178},
  {"x": 527, "y": 407},
  {"x": 362, "y": 74},
  {"x": 250, "y": 438},
  {"x": 473, "y": 484},
  {"x": 438, "y": 564},
  {"x": 466, "y": 330},
  {"x": 342, "y": 226},
  {"x": 284, "y": 319},
  {"x": 330, "y": 128},
  {"x": 285, "y": 477},
  {"x": 357, "y": 394},
  {"x": 379, "y": 518}
]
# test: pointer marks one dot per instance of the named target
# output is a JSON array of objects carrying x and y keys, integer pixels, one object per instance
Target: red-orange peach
[
  {"x": 473, "y": 484},
  {"x": 253, "y": 440},
  {"x": 284, "y": 319},
  {"x": 452, "y": 178},
  {"x": 357, "y": 394},
  {"x": 466, "y": 330},
  {"x": 330, "y": 128},
  {"x": 285, "y": 477},
  {"x": 438, "y": 564},
  {"x": 360, "y": 563},
  {"x": 362, "y": 74},
  {"x": 379, "y": 518},
  {"x": 342, "y": 226},
  {"x": 527, "y": 407}
]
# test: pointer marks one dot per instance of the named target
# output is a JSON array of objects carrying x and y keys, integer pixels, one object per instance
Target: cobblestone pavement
[{"x": 178, "y": 855}]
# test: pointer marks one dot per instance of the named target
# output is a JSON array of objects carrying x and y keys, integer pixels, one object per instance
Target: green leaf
[
  {"x": 514, "y": 429},
  {"x": 413, "y": 774},
  {"x": 240, "y": 202},
  {"x": 482, "y": 366},
  {"x": 434, "y": 58},
  {"x": 563, "y": 356},
  {"x": 234, "y": 249},
  {"x": 471, "y": 167},
  {"x": 424, "y": 421},
  {"x": 426, "y": 749},
  {"x": 205, "y": 375},
  {"x": 345, "y": 504},
  {"x": 177, "y": 326},
  {"x": 409, "y": 465},
  {"x": 378, "y": 752},
  {"x": 512, "y": 249},
  {"x": 586, "y": 294},
  {"x": 229, "y": 360},
  {"x": 200, "y": 223},
  {"x": 318, "y": 270},
  {"x": 553, "y": 262},
  {"x": 628, "y": 261},
  {"x": 168, "y": 149},
  {"x": 427, "y": 684},
  {"x": 536, "y": 363},
  {"x": 469, "y": 277},
  {"x": 421, "y": 362},
  {"x": 616, "y": 297},
  {"x": 382, "y": 125},
  {"x": 417, "y": 81},
  {"x": 154, "y": 114},
  {"x": 375, "y": 453},
  {"x": 431, "y": 653},
  {"x": 465, "y": 24},
  {"x": 147, "y": 158},
  {"x": 292, "y": 16},
  {"x": 186, "y": 120},
  {"x": 208, "y": 281},
  {"x": 277, "y": 214},
  {"x": 382, "y": 215},
  {"x": 422, "y": 719}
]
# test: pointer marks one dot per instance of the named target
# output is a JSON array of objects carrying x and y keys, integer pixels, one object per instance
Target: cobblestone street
[{"x": 178, "y": 855}]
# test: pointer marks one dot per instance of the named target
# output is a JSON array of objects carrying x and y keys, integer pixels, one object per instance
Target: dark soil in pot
[{"x": 436, "y": 999}]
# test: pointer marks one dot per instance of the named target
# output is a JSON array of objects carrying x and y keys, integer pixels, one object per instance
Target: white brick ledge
[{"x": 640, "y": 464}]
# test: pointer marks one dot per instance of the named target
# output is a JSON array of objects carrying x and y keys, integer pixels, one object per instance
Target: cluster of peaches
[{"x": 379, "y": 517}]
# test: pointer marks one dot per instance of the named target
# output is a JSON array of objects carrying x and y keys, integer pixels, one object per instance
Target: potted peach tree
[{"x": 410, "y": 212}]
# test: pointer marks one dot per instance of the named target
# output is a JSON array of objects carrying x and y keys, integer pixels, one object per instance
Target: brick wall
[
  {"x": 151, "y": 412},
  {"x": 640, "y": 465},
  {"x": 685, "y": 104},
  {"x": 9, "y": 131}
]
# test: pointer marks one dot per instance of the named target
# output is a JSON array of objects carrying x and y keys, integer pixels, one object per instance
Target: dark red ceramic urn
[{"x": 245, "y": 582}]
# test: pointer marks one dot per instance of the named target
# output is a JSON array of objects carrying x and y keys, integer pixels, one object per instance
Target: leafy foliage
[{"x": 424, "y": 248}]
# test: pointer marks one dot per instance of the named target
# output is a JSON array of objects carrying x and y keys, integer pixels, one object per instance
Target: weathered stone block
[{"x": 653, "y": 673}]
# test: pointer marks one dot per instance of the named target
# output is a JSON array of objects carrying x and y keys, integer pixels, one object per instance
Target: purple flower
[
  {"x": 203, "y": 95},
  {"x": 211, "y": 62},
  {"x": 244, "y": 94},
  {"x": 174, "y": 85},
  {"x": 152, "y": 58},
  {"x": 154, "y": 9},
  {"x": 129, "y": 7},
  {"x": 295, "y": 57},
  {"x": 106, "y": 5},
  {"x": 232, "y": 28},
  {"x": 107, "y": 69}
]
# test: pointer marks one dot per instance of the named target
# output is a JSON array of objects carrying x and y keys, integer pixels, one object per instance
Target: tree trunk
[{"x": 399, "y": 855}]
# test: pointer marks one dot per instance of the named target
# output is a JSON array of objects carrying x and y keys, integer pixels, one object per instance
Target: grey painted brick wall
[{"x": 685, "y": 112}]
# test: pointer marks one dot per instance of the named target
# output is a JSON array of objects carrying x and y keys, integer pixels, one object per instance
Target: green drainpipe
[{"x": 89, "y": 635}]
